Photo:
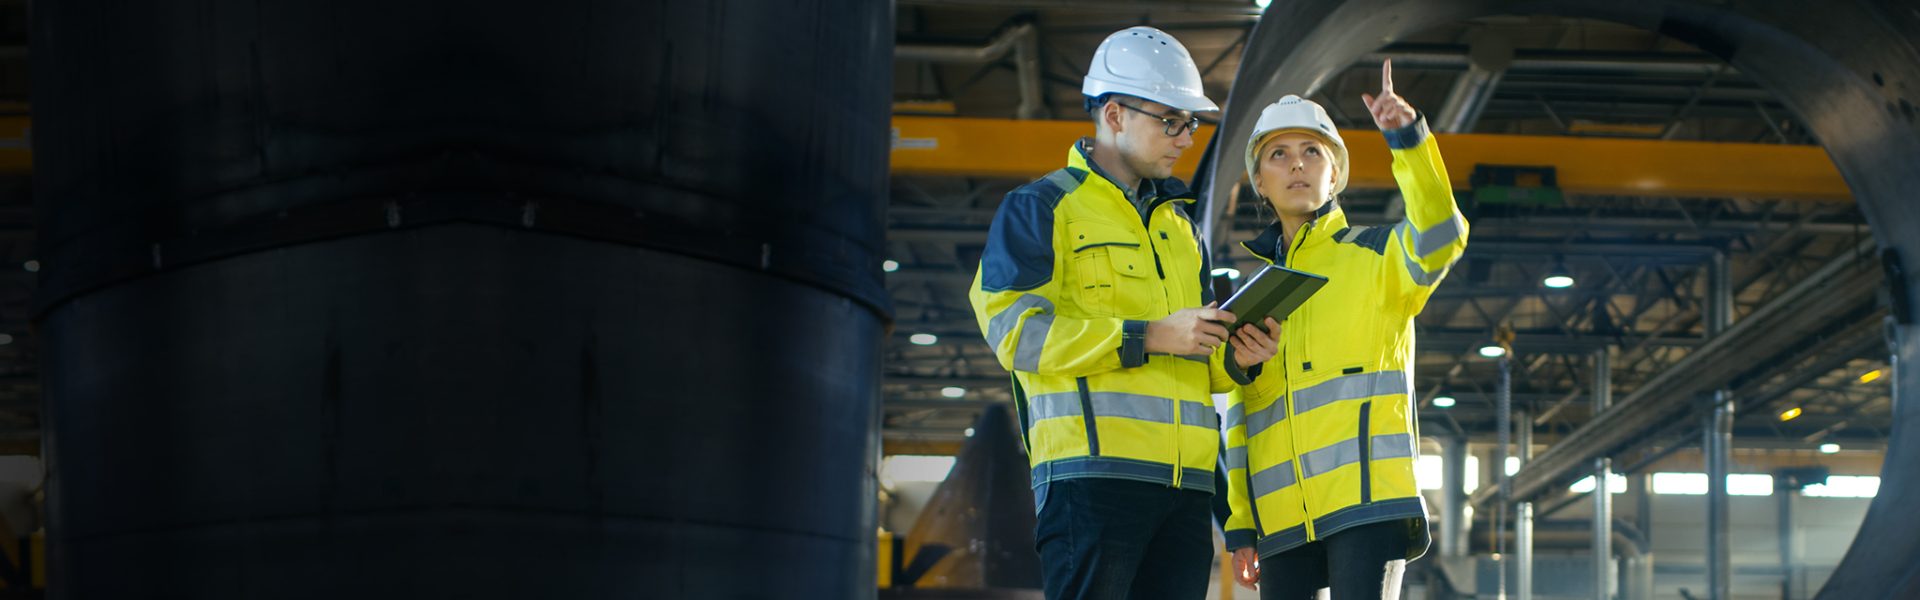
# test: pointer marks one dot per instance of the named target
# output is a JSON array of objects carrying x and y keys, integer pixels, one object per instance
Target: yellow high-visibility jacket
[
  {"x": 1071, "y": 274},
  {"x": 1325, "y": 437}
]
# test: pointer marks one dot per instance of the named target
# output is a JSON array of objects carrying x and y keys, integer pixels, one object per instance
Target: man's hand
[
  {"x": 1194, "y": 331},
  {"x": 1246, "y": 568},
  {"x": 1251, "y": 347},
  {"x": 1390, "y": 111}
]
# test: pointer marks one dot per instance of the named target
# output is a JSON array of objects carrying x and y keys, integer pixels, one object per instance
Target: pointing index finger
[{"x": 1386, "y": 77}]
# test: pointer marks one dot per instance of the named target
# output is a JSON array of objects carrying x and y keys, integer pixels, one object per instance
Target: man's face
[{"x": 1142, "y": 136}]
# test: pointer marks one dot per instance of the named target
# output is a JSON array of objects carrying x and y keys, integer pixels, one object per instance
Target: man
[{"x": 1092, "y": 291}]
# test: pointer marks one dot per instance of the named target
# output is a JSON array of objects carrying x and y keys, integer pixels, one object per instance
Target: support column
[
  {"x": 1602, "y": 570},
  {"x": 1717, "y": 440},
  {"x": 1641, "y": 487},
  {"x": 1504, "y": 422},
  {"x": 1488, "y": 58},
  {"x": 1523, "y": 512},
  {"x": 1453, "y": 495},
  {"x": 1786, "y": 494}
]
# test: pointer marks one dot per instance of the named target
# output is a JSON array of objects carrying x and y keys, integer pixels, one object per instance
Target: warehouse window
[
  {"x": 1845, "y": 486},
  {"x": 1749, "y": 484},
  {"x": 1429, "y": 472},
  {"x": 1616, "y": 484},
  {"x": 1695, "y": 484},
  {"x": 909, "y": 467},
  {"x": 1684, "y": 484}
]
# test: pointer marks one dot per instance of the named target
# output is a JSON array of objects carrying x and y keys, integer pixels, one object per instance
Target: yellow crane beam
[{"x": 1027, "y": 149}]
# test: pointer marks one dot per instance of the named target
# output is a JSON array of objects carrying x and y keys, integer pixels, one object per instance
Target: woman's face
[{"x": 1295, "y": 174}]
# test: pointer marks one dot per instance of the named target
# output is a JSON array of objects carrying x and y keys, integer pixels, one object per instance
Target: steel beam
[
  {"x": 1245, "y": 9},
  {"x": 1834, "y": 289},
  {"x": 1015, "y": 149},
  {"x": 1021, "y": 39}
]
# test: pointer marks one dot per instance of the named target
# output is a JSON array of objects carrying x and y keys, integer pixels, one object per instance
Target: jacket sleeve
[
  {"x": 1016, "y": 291},
  {"x": 1238, "y": 527},
  {"x": 1433, "y": 235}
]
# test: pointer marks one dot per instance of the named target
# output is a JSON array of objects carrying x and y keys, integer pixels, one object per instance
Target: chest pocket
[{"x": 1112, "y": 270}]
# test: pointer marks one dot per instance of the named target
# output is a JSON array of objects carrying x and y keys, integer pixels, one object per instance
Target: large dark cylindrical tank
[{"x": 475, "y": 299}]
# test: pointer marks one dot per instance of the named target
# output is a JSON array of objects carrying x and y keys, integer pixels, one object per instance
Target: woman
[{"x": 1321, "y": 444}]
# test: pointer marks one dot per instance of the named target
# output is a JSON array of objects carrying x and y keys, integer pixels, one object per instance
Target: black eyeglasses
[{"x": 1174, "y": 127}]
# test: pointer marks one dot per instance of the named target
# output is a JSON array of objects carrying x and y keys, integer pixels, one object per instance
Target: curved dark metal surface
[
  {"x": 1849, "y": 69},
  {"x": 461, "y": 299}
]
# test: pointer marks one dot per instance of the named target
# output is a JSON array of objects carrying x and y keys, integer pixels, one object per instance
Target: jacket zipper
[
  {"x": 1299, "y": 471},
  {"x": 1179, "y": 467},
  {"x": 1146, "y": 224}
]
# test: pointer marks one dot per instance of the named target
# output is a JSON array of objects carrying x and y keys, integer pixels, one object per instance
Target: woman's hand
[
  {"x": 1390, "y": 111},
  {"x": 1246, "y": 568},
  {"x": 1252, "y": 347}
]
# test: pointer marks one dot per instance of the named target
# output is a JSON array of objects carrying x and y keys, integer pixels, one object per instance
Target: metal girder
[
  {"x": 1838, "y": 287},
  {"x": 1229, "y": 7},
  {"x": 1810, "y": 222},
  {"x": 1545, "y": 342},
  {"x": 1548, "y": 61},
  {"x": 1021, "y": 39},
  {"x": 1432, "y": 339},
  {"x": 1018, "y": 149}
]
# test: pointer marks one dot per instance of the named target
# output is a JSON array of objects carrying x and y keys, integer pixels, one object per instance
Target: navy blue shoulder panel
[
  {"x": 1371, "y": 238},
  {"x": 1019, "y": 252}
]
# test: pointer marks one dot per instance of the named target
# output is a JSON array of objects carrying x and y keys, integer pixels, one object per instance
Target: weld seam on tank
[{"x": 596, "y": 221}]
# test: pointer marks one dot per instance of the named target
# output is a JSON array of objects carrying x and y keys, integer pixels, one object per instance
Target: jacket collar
[
  {"x": 1328, "y": 220},
  {"x": 1152, "y": 191}
]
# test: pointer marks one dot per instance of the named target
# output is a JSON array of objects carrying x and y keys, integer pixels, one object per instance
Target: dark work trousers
[
  {"x": 1115, "y": 539},
  {"x": 1352, "y": 562}
]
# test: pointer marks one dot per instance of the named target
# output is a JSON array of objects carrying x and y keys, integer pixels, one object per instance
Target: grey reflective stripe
[
  {"x": 1236, "y": 458},
  {"x": 1350, "y": 387},
  {"x": 1236, "y": 415},
  {"x": 1001, "y": 324},
  {"x": 1199, "y": 415},
  {"x": 1432, "y": 240},
  {"x": 1260, "y": 420},
  {"x": 1340, "y": 454},
  {"x": 1116, "y": 404},
  {"x": 1132, "y": 406},
  {"x": 1416, "y": 271},
  {"x": 1048, "y": 406},
  {"x": 1063, "y": 179},
  {"x": 1033, "y": 339},
  {"x": 1199, "y": 358},
  {"x": 1273, "y": 479},
  {"x": 1396, "y": 445}
]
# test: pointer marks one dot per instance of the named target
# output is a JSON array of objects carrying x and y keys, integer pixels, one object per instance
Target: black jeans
[
  {"x": 1352, "y": 562},
  {"x": 1114, "y": 539}
]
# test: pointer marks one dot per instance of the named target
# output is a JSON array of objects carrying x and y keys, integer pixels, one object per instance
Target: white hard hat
[
  {"x": 1148, "y": 63},
  {"x": 1299, "y": 114}
]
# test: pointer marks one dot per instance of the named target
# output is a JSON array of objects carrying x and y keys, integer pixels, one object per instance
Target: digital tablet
[{"x": 1274, "y": 291}]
